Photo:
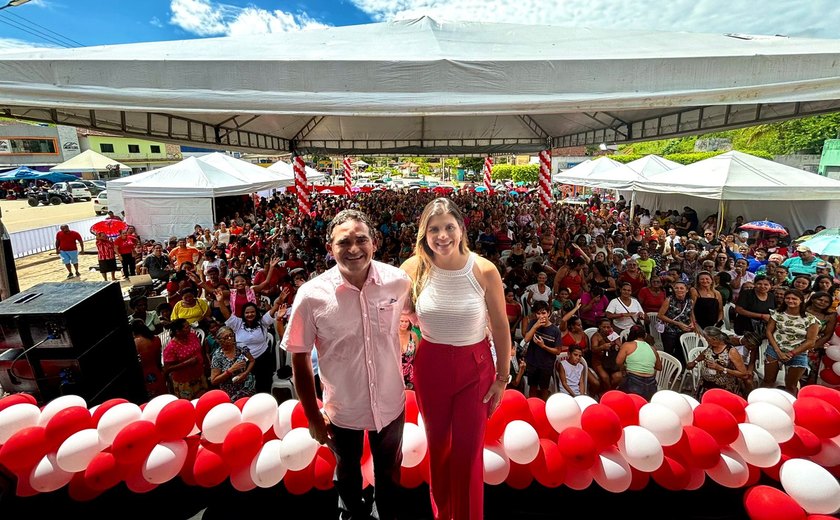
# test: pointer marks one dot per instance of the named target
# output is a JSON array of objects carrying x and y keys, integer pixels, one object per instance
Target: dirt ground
[
  {"x": 19, "y": 215},
  {"x": 47, "y": 267}
]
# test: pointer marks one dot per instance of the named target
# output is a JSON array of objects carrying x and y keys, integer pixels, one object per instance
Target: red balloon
[
  {"x": 773, "y": 471},
  {"x": 818, "y": 416},
  {"x": 13, "y": 399},
  {"x": 65, "y": 423},
  {"x": 834, "y": 470},
  {"x": 495, "y": 428},
  {"x": 672, "y": 475},
  {"x": 300, "y": 482},
  {"x": 242, "y": 444},
  {"x": 803, "y": 443},
  {"x": 514, "y": 406},
  {"x": 176, "y": 420},
  {"x": 638, "y": 402},
  {"x": 299, "y": 419},
  {"x": 820, "y": 517},
  {"x": 269, "y": 435},
  {"x": 186, "y": 472},
  {"x": 411, "y": 408},
  {"x": 103, "y": 472},
  {"x": 698, "y": 448},
  {"x": 829, "y": 376},
  {"x": 718, "y": 422},
  {"x": 640, "y": 479},
  {"x": 79, "y": 490},
  {"x": 603, "y": 424},
  {"x": 623, "y": 405},
  {"x": 209, "y": 468},
  {"x": 829, "y": 395},
  {"x": 411, "y": 478},
  {"x": 135, "y": 442},
  {"x": 519, "y": 477},
  {"x": 365, "y": 448},
  {"x": 755, "y": 475},
  {"x": 769, "y": 503},
  {"x": 734, "y": 403},
  {"x": 207, "y": 402},
  {"x": 104, "y": 407},
  {"x": 24, "y": 449},
  {"x": 240, "y": 403},
  {"x": 540, "y": 421},
  {"x": 134, "y": 480},
  {"x": 23, "y": 489},
  {"x": 549, "y": 468},
  {"x": 324, "y": 469},
  {"x": 577, "y": 448}
]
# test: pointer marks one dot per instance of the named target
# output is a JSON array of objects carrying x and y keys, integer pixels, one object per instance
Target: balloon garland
[{"x": 619, "y": 444}]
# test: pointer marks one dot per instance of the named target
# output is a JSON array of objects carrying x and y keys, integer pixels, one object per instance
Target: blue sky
[{"x": 96, "y": 22}]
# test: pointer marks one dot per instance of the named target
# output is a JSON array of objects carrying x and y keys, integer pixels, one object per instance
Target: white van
[{"x": 77, "y": 189}]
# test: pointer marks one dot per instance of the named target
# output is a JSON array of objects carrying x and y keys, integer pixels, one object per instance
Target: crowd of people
[{"x": 586, "y": 296}]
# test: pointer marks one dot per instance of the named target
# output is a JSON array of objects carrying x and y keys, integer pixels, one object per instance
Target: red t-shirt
[
  {"x": 125, "y": 245},
  {"x": 650, "y": 302},
  {"x": 67, "y": 240}
]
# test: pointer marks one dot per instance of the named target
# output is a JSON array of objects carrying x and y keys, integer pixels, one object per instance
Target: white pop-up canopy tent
[
  {"x": 579, "y": 174},
  {"x": 89, "y": 162},
  {"x": 741, "y": 184},
  {"x": 172, "y": 200},
  {"x": 650, "y": 165},
  {"x": 287, "y": 173}
]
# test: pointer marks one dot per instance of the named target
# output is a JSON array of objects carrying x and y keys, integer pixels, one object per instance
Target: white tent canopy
[
  {"x": 652, "y": 164},
  {"x": 89, "y": 162},
  {"x": 746, "y": 185},
  {"x": 425, "y": 86},
  {"x": 287, "y": 173},
  {"x": 580, "y": 173}
]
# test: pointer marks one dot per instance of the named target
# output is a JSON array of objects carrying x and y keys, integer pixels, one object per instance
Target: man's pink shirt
[{"x": 356, "y": 335}]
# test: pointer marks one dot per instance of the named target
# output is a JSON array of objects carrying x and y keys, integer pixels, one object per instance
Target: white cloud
[
  {"x": 209, "y": 18},
  {"x": 156, "y": 22},
  {"x": 816, "y": 19},
  {"x": 12, "y": 44}
]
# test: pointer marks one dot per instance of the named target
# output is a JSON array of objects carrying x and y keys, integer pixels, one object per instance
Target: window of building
[
  {"x": 106, "y": 148},
  {"x": 25, "y": 145},
  {"x": 155, "y": 148},
  {"x": 134, "y": 148}
]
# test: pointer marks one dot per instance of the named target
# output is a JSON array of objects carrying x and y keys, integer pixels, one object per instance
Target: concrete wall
[
  {"x": 805, "y": 162},
  {"x": 66, "y": 144}
]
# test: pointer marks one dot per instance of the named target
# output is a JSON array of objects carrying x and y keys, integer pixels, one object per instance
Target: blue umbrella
[
  {"x": 826, "y": 242},
  {"x": 20, "y": 173}
]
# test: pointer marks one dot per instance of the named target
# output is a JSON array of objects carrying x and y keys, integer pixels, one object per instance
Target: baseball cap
[
  {"x": 803, "y": 249},
  {"x": 822, "y": 265}
]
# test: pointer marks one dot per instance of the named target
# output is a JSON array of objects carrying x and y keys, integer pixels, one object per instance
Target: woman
[
  {"x": 820, "y": 307},
  {"x": 570, "y": 276},
  {"x": 706, "y": 302},
  {"x": 601, "y": 278},
  {"x": 634, "y": 276},
  {"x": 241, "y": 294},
  {"x": 625, "y": 311},
  {"x": 140, "y": 306},
  {"x": 724, "y": 366},
  {"x": 739, "y": 276},
  {"x": 574, "y": 335},
  {"x": 593, "y": 304},
  {"x": 190, "y": 308},
  {"x": 792, "y": 333},
  {"x": 753, "y": 309},
  {"x": 802, "y": 283},
  {"x": 652, "y": 296},
  {"x": 409, "y": 339},
  {"x": 222, "y": 235},
  {"x": 513, "y": 311},
  {"x": 538, "y": 292},
  {"x": 252, "y": 332},
  {"x": 675, "y": 315},
  {"x": 149, "y": 351},
  {"x": 457, "y": 296},
  {"x": 640, "y": 361},
  {"x": 231, "y": 366},
  {"x": 183, "y": 361},
  {"x": 605, "y": 345}
]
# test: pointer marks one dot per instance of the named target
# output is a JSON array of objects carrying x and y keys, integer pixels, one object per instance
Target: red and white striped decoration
[
  {"x": 545, "y": 181},
  {"x": 300, "y": 185},
  {"x": 348, "y": 176},
  {"x": 488, "y": 170}
]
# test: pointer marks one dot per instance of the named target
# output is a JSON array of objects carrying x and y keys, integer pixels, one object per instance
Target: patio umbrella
[
  {"x": 826, "y": 242},
  {"x": 110, "y": 227},
  {"x": 764, "y": 225}
]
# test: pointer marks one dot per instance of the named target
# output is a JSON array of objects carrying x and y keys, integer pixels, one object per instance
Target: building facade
[
  {"x": 138, "y": 154},
  {"x": 36, "y": 145}
]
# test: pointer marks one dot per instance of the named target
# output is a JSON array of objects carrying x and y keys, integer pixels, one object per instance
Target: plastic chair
[
  {"x": 727, "y": 320},
  {"x": 590, "y": 331},
  {"x": 671, "y": 370},
  {"x": 759, "y": 367},
  {"x": 689, "y": 340},
  {"x": 653, "y": 318},
  {"x": 282, "y": 383},
  {"x": 555, "y": 379},
  {"x": 623, "y": 335},
  {"x": 694, "y": 373}
]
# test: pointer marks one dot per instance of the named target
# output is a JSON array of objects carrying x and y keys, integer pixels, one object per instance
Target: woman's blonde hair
[{"x": 439, "y": 206}]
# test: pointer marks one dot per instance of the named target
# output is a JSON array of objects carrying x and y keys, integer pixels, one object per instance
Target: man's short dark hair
[
  {"x": 347, "y": 215},
  {"x": 538, "y": 306}
]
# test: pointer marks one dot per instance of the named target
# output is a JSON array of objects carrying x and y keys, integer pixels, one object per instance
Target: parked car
[
  {"x": 100, "y": 203},
  {"x": 93, "y": 187},
  {"x": 75, "y": 188}
]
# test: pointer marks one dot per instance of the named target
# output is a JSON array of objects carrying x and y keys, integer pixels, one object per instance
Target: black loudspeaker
[{"x": 69, "y": 338}]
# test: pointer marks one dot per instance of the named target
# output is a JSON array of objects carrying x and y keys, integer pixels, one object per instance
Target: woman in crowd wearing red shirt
[{"x": 183, "y": 361}]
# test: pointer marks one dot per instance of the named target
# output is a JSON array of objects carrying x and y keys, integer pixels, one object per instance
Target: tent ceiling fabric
[{"x": 423, "y": 86}]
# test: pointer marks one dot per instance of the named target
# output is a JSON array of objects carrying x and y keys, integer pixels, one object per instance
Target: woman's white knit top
[{"x": 451, "y": 308}]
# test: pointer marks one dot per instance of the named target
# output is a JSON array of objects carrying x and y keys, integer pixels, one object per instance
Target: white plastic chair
[
  {"x": 689, "y": 340},
  {"x": 671, "y": 370},
  {"x": 590, "y": 331},
  {"x": 623, "y": 335},
  {"x": 695, "y": 373},
  {"x": 282, "y": 383},
  {"x": 759, "y": 367},
  {"x": 727, "y": 321},
  {"x": 653, "y": 318}
]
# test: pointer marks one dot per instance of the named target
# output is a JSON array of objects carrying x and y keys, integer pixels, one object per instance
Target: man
[
  {"x": 351, "y": 315},
  {"x": 65, "y": 247},
  {"x": 708, "y": 242},
  {"x": 157, "y": 264},
  {"x": 182, "y": 254},
  {"x": 805, "y": 263}
]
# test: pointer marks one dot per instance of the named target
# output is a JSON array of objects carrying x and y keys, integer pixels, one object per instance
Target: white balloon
[
  {"x": 833, "y": 352},
  {"x": 731, "y": 470},
  {"x": 420, "y": 422},
  {"x": 195, "y": 430},
  {"x": 283, "y": 420},
  {"x": 165, "y": 462},
  {"x": 153, "y": 407},
  {"x": 260, "y": 409},
  {"x": 298, "y": 449},
  {"x": 240, "y": 478},
  {"x": 219, "y": 421},
  {"x": 640, "y": 448},
  {"x": 662, "y": 422},
  {"x": 694, "y": 403},
  {"x": 521, "y": 442},
  {"x": 58, "y": 404},
  {"x": 76, "y": 452},
  {"x": 676, "y": 403},
  {"x": 267, "y": 469},
  {"x": 584, "y": 402},
  {"x": 757, "y": 446},
  {"x": 578, "y": 479},
  {"x": 774, "y": 396},
  {"x": 812, "y": 486},
  {"x": 17, "y": 417},
  {"x": 835, "y": 367},
  {"x": 771, "y": 418},
  {"x": 115, "y": 419},
  {"x": 562, "y": 412},
  {"x": 47, "y": 476},
  {"x": 414, "y": 445},
  {"x": 612, "y": 472},
  {"x": 829, "y": 454},
  {"x": 496, "y": 464}
]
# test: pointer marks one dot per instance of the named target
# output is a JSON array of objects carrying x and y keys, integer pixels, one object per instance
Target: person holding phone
[
  {"x": 544, "y": 342},
  {"x": 231, "y": 366}
]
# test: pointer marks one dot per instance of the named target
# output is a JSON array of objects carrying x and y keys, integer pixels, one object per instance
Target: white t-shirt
[
  {"x": 537, "y": 296},
  {"x": 533, "y": 250},
  {"x": 573, "y": 375},
  {"x": 616, "y": 306}
]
